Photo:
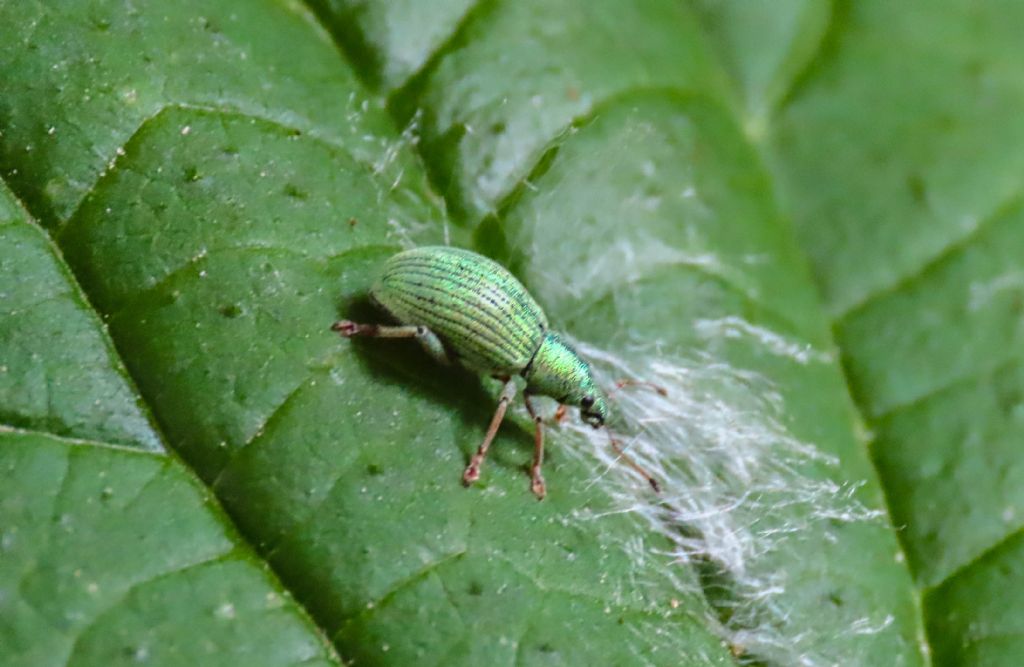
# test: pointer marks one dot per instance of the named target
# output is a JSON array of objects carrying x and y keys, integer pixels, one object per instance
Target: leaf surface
[
  {"x": 226, "y": 195},
  {"x": 895, "y": 152},
  {"x": 111, "y": 553}
]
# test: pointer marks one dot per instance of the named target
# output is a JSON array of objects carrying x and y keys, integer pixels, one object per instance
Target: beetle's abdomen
[{"x": 478, "y": 309}]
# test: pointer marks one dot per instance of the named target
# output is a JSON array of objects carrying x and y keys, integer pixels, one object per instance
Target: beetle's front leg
[
  {"x": 559, "y": 414},
  {"x": 536, "y": 478},
  {"x": 427, "y": 338},
  {"x": 472, "y": 472}
]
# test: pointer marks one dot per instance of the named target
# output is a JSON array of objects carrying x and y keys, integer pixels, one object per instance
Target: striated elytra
[{"x": 466, "y": 308}]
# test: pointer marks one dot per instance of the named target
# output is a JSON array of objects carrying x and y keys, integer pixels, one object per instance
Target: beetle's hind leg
[
  {"x": 536, "y": 478},
  {"x": 427, "y": 338},
  {"x": 472, "y": 472}
]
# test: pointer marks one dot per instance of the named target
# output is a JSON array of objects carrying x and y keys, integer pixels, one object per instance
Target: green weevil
[{"x": 466, "y": 308}]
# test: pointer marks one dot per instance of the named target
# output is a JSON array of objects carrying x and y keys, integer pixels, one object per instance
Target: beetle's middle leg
[
  {"x": 536, "y": 478},
  {"x": 472, "y": 472},
  {"x": 427, "y": 338}
]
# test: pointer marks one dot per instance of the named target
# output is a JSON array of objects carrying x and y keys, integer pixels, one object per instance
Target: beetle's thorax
[{"x": 559, "y": 372}]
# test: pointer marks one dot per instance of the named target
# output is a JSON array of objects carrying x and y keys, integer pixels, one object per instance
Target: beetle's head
[
  {"x": 594, "y": 409},
  {"x": 559, "y": 372}
]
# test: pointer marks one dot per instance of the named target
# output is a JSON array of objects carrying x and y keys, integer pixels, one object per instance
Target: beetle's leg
[
  {"x": 631, "y": 463},
  {"x": 560, "y": 413},
  {"x": 432, "y": 344},
  {"x": 536, "y": 478},
  {"x": 427, "y": 338},
  {"x": 349, "y": 329},
  {"x": 628, "y": 382},
  {"x": 472, "y": 472}
]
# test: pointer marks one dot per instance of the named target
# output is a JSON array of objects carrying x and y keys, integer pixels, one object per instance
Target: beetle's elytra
[{"x": 463, "y": 307}]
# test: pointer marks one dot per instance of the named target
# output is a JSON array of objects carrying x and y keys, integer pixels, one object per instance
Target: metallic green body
[
  {"x": 485, "y": 317},
  {"x": 486, "y": 320}
]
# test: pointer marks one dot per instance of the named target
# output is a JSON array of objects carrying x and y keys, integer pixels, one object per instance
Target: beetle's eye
[{"x": 587, "y": 401}]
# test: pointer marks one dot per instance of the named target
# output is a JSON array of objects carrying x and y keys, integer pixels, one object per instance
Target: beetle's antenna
[
  {"x": 627, "y": 382},
  {"x": 631, "y": 463}
]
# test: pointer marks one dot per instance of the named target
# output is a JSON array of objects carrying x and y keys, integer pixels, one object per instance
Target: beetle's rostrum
[{"x": 466, "y": 308}]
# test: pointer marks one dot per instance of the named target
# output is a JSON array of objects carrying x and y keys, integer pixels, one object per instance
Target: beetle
[{"x": 465, "y": 308}]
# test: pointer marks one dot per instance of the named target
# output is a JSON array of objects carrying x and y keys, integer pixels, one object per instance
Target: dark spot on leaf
[
  {"x": 209, "y": 26},
  {"x": 835, "y": 598},
  {"x": 1009, "y": 394},
  {"x": 546, "y": 648},
  {"x": 374, "y": 469},
  {"x": 191, "y": 174},
  {"x": 475, "y": 588},
  {"x": 352, "y": 222},
  {"x": 917, "y": 188},
  {"x": 498, "y": 127},
  {"x": 295, "y": 192},
  {"x": 230, "y": 311},
  {"x": 229, "y": 150}
]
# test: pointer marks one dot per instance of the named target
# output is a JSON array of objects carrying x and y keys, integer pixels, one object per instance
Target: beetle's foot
[
  {"x": 537, "y": 485},
  {"x": 346, "y": 328},
  {"x": 471, "y": 474}
]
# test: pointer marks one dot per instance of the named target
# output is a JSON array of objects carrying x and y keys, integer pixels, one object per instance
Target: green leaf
[
  {"x": 390, "y": 41},
  {"x": 897, "y": 154},
  {"x": 113, "y": 556},
  {"x": 110, "y": 553},
  {"x": 222, "y": 187},
  {"x": 58, "y": 371},
  {"x": 718, "y": 333},
  {"x": 488, "y": 117},
  {"x": 764, "y": 46}
]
